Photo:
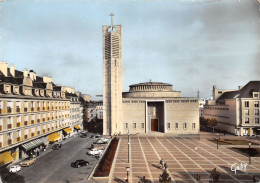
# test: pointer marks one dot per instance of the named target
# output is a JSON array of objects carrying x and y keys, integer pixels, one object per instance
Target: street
[{"x": 55, "y": 165}]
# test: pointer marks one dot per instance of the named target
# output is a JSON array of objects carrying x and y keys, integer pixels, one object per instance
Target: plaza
[{"x": 186, "y": 158}]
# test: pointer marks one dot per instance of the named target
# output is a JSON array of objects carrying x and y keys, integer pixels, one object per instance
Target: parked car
[
  {"x": 28, "y": 162},
  {"x": 83, "y": 135},
  {"x": 57, "y": 146},
  {"x": 104, "y": 139},
  {"x": 95, "y": 152},
  {"x": 79, "y": 163},
  {"x": 100, "y": 141},
  {"x": 15, "y": 168},
  {"x": 97, "y": 136}
]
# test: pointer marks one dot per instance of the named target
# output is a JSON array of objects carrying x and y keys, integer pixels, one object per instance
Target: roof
[
  {"x": 151, "y": 83},
  {"x": 245, "y": 92}
]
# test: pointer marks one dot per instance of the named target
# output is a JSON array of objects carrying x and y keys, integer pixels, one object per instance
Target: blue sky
[{"x": 189, "y": 44}]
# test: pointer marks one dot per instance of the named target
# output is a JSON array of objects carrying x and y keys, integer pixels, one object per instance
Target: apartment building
[
  {"x": 237, "y": 111},
  {"x": 33, "y": 113}
]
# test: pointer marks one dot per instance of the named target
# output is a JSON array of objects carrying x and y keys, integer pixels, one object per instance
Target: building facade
[
  {"x": 33, "y": 113},
  {"x": 237, "y": 111},
  {"x": 147, "y": 107}
]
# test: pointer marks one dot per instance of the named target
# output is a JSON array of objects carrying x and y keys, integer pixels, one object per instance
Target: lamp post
[
  {"x": 217, "y": 140},
  {"x": 127, "y": 170},
  {"x": 128, "y": 145},
  {"x": 249, "y": 151}
]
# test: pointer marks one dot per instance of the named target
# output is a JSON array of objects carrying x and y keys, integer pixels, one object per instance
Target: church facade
[{"x": 147, "y": 107}]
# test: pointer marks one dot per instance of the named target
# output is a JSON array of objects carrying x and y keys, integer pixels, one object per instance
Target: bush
[{"x": 105, "y": 164}]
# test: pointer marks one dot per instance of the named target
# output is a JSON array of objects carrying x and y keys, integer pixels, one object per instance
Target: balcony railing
[
  {"x": 25, "y": 109},
  {"x": 18, "y": 124},
  {"x": 38, "y": 120},
  {"x": 43, "y": 108},
  {"x": 32, "y": 109},
  {"x": 48, "y": 129},
  {"x": 38, "y": 108},
  {"x": 1, "y": 111},
  {"x": 1, "y": 128},
  {"x": 44, "y": 130},
  {"x": 43, "y": 119},
  {"x": 39, "y": 132},
  {"x": 32, "y": 122},
  {"x": 19, "y": 139},
  {"x": 26, "y": 123},
  {"x": 25, "y": 136},
  {"x": 1, "y": 144},
  {"x": 18, "y": 109},
  {"x": 33, "y": 134}
]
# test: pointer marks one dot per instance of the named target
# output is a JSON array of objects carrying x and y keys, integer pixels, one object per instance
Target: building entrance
[{"x": 154, "y": 125}]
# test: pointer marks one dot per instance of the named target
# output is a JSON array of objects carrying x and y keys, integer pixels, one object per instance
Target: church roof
[{"x": 151, "y": 83}]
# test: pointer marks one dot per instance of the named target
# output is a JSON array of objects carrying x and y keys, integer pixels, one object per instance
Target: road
[{"x": 54, "y": 166}]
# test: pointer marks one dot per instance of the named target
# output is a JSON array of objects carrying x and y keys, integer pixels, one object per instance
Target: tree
[{"x": 212, "y": 122}]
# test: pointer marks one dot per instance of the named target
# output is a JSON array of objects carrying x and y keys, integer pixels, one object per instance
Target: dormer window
[
  {"x": 16, "y": 89},
  {"x": 7, "y": 88},
  {"x": 255, "y": 94}
]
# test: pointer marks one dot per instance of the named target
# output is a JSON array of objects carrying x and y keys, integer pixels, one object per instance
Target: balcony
[
  {"x": 19, "y": 139},
  {"x": 32, "y": 109},
  {"x": 25, "y": 109},
  {"x": 18, "y": 124},
  {"x": 25, "y": 136},
  {"x": 9, "y": 126},
  {"x": 18, "y": 109},
  {"x": 9, "y": 109},
  {"x": 32, "y": 122},
  {"x": 26, "y": 123}
]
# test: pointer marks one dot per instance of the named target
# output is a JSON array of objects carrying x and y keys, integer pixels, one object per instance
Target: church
[{"x": 147, "y": 107}]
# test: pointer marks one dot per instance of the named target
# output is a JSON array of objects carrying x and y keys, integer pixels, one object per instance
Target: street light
[
  {"x": 217, "y": 140},
  {"x": 249, "y": 150},
  {"x": 128, "y": 145},
  {"x": 127, "y": 170}
]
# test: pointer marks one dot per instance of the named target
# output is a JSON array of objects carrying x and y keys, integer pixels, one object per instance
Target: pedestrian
[
  {"x": 161, "y": 163},
  {"x": 38, "y": 153},
  {"x": 165, "y": 166}
]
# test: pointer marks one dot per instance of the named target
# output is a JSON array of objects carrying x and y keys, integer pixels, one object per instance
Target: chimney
[
  {"x": 12, "y": 70},
  {"x": 3, "y": 68},
  {"x": 239, "y": 87},
  {"x": 47, "y": 79},
  {"x": 32, "y": 75},
  {"x": 25, "y": 73}
]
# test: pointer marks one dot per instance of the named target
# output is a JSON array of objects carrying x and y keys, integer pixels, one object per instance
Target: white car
[
  {"x": 104, "y": 139},
  {"x": 95, "y": 152},
  {"x": 14, "y": 168}
]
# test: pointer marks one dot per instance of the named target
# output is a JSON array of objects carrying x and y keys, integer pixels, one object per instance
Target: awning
[
  {"x": 67, "y": 130},
  {"x": 30, "y": 145},
  {"x": 45, "y": 140},
  {"x": 77, "y": 127},
  {"x": 54, "y": 137},
  {"x": 5, "y": 157}
]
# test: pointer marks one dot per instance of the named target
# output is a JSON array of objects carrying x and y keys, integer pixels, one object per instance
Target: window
[
  {"x": 134, "y": 125},
  {"x": 246, "y": 103},
  {"x": 256, "y": 95},
  {"x": 247, "y": 112},
  {"x": 256, "y": 120},
  {"x": 142, "y": 125},
  {"x": 246, "y": 120},
  {"x": 176, "y": 126},
  {"x": 126, "y": 125},
  {"x": 168, "y": 126},
  {"x": 257, "y": 112},
  {"x": 193, "y": 126},
  {"x": 256, "y": 103},
  {"x": 184, "y": 125}
]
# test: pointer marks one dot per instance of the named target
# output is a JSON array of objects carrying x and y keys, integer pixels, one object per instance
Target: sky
[{"x": 191, "y": 44}]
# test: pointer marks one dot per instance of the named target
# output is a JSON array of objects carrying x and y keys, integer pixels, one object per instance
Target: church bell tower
[{"x": 113, "y": 78}]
